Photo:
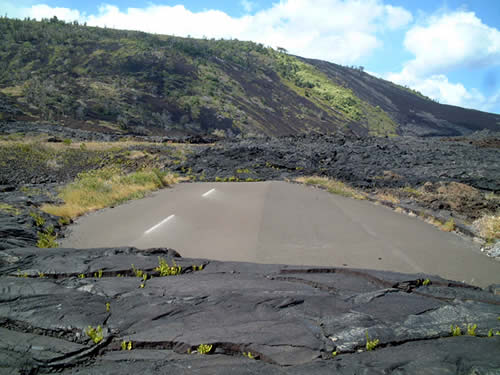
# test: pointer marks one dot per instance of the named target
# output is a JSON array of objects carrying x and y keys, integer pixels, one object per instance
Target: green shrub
[
  {"x": 204, "y": 349},
  {"x": 371, "y": 344},
  {"x": 39, "y": 220},
  {"x": 95, "y": 334},
  {"x": 47, "y": 239},
  {"x": 456, "y": 331},
  {"x": 471, "y": 329},
  {"x": 165, "y": 270},
  {"x": 126, "y": 345}
]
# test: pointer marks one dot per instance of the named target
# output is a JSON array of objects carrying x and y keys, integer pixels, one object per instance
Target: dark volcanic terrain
[{"x": 249, "y": 318}]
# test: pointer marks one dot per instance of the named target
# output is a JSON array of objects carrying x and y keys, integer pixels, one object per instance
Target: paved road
[{"x": 278, "y": 222}]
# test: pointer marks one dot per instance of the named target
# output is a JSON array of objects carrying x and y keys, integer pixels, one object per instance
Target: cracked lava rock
[{"x": 250, "y": 318}]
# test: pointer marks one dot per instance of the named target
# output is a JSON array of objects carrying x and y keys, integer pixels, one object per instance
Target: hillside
[{"x": 127, "y": 82}]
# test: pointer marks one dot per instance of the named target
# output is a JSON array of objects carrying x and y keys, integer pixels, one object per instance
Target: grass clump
[
  {"x": 388, "y": 197},
  {"x": 165, "y": 270},
  {"x": 371, "y": 344},
  {"x": 39, "y": 220},
  {"x": 95, "y": 334},
  {"x": 204, "y": 349},
  {"x": 332, "y": 186},
  {"x": 106, "y": 187},
  {"x": 137, "y": 273},
  {"x": 9, "y": 209},
  {"x": 449, "y": 226},
  {"x": 489, "y": 227},
  {"x": 47, "y": 238},
  {"x": 471, "y": 329},
  {"x": 126, "y": 345},
  {"x": 455, "y": 331},
  {"x": 411, "y": 191},
  {"x": 249, "y": 355}
]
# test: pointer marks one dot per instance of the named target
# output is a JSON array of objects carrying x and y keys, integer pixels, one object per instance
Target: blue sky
[{"x": 447, "y": 49}]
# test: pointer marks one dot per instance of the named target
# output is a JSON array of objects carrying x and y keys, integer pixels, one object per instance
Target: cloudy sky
[{"x": 447, "y": 49}]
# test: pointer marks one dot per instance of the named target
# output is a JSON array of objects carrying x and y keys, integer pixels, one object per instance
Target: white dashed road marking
[
  {"x": 159, "y": 224},
  {"x": 208, "y": 192}
]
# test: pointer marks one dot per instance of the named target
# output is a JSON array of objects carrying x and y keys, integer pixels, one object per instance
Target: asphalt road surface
[{"x": 279, "y": 222}]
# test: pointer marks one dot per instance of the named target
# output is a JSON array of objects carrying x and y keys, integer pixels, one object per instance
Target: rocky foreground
[{"x": 94, "y": 312}]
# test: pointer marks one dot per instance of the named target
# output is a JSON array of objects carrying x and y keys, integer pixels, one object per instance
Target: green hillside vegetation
[{"x": 136, "y": 83}]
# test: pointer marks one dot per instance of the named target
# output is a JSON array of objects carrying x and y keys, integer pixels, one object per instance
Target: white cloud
[
  {"x": 446, "y": 42},
  {"x": 452, "y": 40},
  {"x": 342, "y": 31},
  {"x": 397, "y": 17}
]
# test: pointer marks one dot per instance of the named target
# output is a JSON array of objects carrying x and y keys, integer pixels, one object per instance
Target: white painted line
[
  {"x": 208, "y": 192},
  {"x": 159, "y": 224}
]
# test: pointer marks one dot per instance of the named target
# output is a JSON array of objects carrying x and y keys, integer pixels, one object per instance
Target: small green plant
[
  {"x": 334, "y": 353},
  {"x": 144, "y": 276},
  {"x": 371, "y": 344},
  {"x": 142, "y": 285},
  {"x": 456, "y": 331},
  {"x": 41, "y": 275},
  {"x": 471, "y": 329},
  {"x": 218, "y": 179},
  {"x": 67, "y": 141},
  {"x": 126, "y": 345},
  {"x": 98, "y": 274},
  {"x": 490, "y": 333},
  {"x": 64, "y": 221},
  {"x": 204, "y": 349},
  {"x": 95, "y": 334},
  {"x": 249, "y": 355},
  {"x": 165, "y": 270},
  {"x": 244, "y": 170},
  {"x": 197, "y": 268},
  {"x": 81, "y": 276},
  {"x": 22, "y": 274},
  {"x": 426, "y": 282},
  {"x": 137, "y": 273},
  {"x": 83, "y": 147},
  {"x": 39, "y": 220},
  {"x": 108, "y": 307},
  {"x": 47, "y": 239}
]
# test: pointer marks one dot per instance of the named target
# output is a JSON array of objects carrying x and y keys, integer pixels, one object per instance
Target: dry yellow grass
[
  {"x": 332, "y": 186},
  {"x": 489, "y": 227},
  {"x": 448, "y": 226},
  {"x": 388, "y": 197},
  {"x": 136, "y": 155},
  {"x": 106, "y": 187}
]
